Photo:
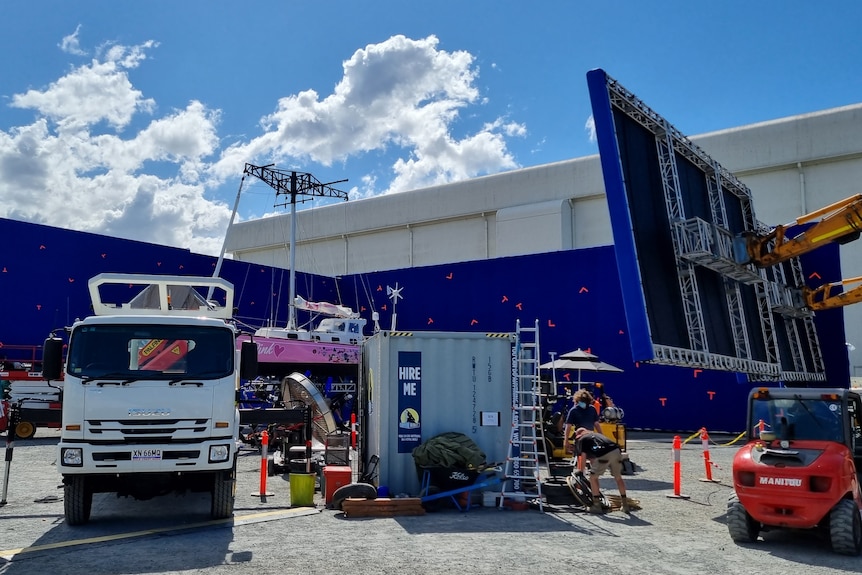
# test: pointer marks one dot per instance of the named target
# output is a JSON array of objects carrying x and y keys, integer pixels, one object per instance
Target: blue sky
[{"x": 136, "y": 119}]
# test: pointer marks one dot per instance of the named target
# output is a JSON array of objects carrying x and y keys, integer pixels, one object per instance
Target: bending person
[{"x": 603, "y": 454}]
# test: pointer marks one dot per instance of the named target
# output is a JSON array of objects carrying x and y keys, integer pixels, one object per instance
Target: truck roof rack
[{"x": 145, "y": 294}]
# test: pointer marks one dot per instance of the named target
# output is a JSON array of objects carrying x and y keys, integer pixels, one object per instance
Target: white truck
[{"x": 150, "y": 390}]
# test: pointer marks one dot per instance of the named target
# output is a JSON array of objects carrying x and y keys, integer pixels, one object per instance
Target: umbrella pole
[{"x": 554, "y": 371}]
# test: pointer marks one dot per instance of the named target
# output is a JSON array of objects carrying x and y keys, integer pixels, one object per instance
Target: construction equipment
[
  {"x": 799, "y": 467},
  {"x": 553, "y": 428},
  {"x": 39, "y": 402},
  {"x": 522, "y": 473},
  {"x": 839, "y": 222}
]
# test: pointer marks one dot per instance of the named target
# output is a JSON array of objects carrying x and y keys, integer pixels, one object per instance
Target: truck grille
[{"x": 147, "y": 430}]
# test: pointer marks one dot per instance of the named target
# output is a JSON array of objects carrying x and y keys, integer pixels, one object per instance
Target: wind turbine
[{"x": 394, "y": 294}]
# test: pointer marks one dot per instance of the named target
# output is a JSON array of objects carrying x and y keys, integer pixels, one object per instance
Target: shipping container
[{"x": 417, "y": 385}]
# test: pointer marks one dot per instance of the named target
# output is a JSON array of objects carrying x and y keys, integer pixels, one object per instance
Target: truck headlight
[
  {"x": 72, "y": 456},
  {"x": 219, "y": 453}
]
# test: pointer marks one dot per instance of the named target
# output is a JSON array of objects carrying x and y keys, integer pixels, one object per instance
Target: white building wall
[
  {"x": 549, "y": 223},
  {"x": 793, "y": 166}
]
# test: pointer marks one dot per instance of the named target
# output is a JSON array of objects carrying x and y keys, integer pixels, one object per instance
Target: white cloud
[
  {"x": 92, "y": 93},
  {"x": 96, "y": 158},
  {"x": 590, "y": 127},
  {"x": 70, "y": 43},
  {"x": 401, "y": 92},
  {"x": 71, "y": 168}
]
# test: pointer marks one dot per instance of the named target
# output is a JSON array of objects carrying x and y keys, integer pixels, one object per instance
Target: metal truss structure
[{"x": 709, "y": 244}]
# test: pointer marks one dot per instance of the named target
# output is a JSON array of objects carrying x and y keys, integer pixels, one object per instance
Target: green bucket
[{"x": 302, "y": 489}]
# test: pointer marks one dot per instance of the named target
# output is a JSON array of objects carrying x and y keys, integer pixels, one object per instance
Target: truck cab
[{"x": 150, "y": 394}]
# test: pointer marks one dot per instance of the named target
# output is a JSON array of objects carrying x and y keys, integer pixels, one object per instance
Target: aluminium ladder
[{"x": 522, "y": 475}]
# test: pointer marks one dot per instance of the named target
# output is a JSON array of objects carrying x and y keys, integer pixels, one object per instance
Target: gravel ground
[{"x": 173, "y": 535}]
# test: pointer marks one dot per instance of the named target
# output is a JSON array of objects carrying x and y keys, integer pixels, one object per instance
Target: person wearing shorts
[{"x": 603, "y": 454}]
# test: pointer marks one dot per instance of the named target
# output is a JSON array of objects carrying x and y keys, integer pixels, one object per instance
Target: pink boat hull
[{"x": 271, "y": 350}]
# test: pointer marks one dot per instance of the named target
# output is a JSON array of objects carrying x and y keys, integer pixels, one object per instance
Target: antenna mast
[{"x": 295, "y": 187}]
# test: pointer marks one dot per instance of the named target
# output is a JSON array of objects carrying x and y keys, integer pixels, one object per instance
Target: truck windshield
[
  {"x": 170, "y": 352},
  {"x": 797, "y": 418}
]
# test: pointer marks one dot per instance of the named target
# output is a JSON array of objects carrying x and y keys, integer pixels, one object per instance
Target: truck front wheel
[
  {"x": 77, "y": 500},
  {"x": 223, "y": 494},
  {"x": 742, "y": 526},
  {"x": 845, "y": 528}
]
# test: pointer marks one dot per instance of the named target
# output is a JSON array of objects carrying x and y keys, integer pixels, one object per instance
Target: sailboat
[{"x": 333, "y": 340}]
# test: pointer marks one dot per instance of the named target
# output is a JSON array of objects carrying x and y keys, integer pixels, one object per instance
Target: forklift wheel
[{"x": 25, "y": 430}]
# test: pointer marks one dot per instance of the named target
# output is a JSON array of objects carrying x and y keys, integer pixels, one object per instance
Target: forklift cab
[{"x": 807, "y": 414}]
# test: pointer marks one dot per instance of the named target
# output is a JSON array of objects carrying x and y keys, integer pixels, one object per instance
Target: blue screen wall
[{"x": 574, "y": 294}]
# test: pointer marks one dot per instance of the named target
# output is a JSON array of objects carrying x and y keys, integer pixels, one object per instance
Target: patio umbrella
[{"x": 579, "y": 360}]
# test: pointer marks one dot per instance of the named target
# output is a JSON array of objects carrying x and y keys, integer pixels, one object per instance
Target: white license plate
[{"x": 146, "y": 455}]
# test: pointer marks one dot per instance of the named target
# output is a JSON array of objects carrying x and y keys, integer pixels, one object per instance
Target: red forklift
[{"x": 799, "y": 467}]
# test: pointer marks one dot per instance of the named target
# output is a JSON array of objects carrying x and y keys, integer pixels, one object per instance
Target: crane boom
[
  {"x": 822, "y": 297},
  {"x": 840, "y": 223}
]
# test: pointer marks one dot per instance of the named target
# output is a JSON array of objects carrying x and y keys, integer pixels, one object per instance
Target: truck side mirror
[
  {"x": 248, "y": 360},
  {"x": 52, "y": 358}
]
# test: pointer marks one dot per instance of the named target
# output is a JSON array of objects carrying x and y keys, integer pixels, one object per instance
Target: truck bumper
[{"x": 83, "y": 458}]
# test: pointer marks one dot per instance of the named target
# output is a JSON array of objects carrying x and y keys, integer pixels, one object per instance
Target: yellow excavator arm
[
  {"x": 840, "y": 222},
  {"x": 823, "y": 298}
]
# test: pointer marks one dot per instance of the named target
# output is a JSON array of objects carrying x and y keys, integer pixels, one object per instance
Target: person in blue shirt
[{"x": 582, "y": 414}]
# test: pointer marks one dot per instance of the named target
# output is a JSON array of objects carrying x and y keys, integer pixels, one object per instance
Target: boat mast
[{"x": 295, "y": 187}]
